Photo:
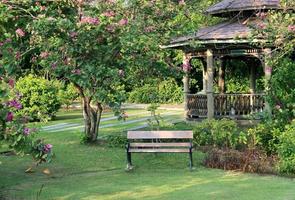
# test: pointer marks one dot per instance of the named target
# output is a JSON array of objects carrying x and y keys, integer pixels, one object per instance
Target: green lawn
[{"x": 97, "y": 172}]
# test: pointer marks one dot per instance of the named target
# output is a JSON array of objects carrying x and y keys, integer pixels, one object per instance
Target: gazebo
[{"x": 227, "y": 40}]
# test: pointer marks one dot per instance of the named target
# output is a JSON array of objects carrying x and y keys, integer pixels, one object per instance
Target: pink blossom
[
  {"x": 8, "y": 40},
  {"x": 42, "y": 8},
  {"x": 11, "y": 83},
  {"x": 20, "y": 32},
  {"x": 121, "y": 73},
  {"x": 76, "y": 71},
  {"x": 9, "y": 117},
  {"x": 73, "y": 34},
  {"x": 111, "y": 28},
  {"x": 1, "y": 44},
  {"x": 278, "y": 107},
  {"x": 34, "y": 59},
  {"x": 90, "y": 20},
  {"x": 27, "y": 131},
  {"x": 47, "y": 148},
  {"x": 291, "y": 28},
  {"x": 261, "y": 15},
  {"x": 261, "y": 25},
  {"x": 111, "y": 1},
  {"x": 109, "y": 13},
  {"x": 123, "y": 22},
  {"x": 53, "y": 65},
  {"x": 17, "y": 55},
  {"x": 181, "y": 2},
  {"x": 149, "y": 29},
  {"x": 186, "y": 66},
  {"x": 44, "y": 55},
  {"x": 14, "y": 103}
]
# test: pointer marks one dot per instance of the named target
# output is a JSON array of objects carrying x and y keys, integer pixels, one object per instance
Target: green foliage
[
  {"x": 146, "y": 94},
  {"x": 263, "y": 136},
  {"x": 170, "y": 92},
  {"x": 155, "y": 120},
  {"x": 118, "y": 140},
  {"x": 68, "y": 94},
  {"x": 166, "y": 91},
  {"x": 39, "y": 97},
  {"x": 238, "y": 84},
  {"x": 218, "y": 133},
  {"x": 282, "y": 93},
  {"x": 286, "y": 150}
]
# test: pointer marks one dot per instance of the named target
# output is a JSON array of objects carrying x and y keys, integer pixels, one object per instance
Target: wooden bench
[{"x": 159, "y": 142}]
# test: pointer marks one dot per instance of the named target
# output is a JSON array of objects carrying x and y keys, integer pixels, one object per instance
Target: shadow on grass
[{"x": 68, "y": 117}]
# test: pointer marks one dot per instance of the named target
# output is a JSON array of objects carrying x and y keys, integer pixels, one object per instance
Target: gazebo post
[
  {"x": 210, "y": 97},
  {"x": 186, "y": 69},
  {"x": 252, "y": 79},
  {"x": 204, "y": 69},
  {"x": 221, "y": 76},
  {"x": 267, "y": 75},
  {"x": 252, "y": 84}
]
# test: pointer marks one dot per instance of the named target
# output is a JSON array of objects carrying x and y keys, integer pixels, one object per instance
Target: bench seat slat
[
  {"x": 179, "y": 144},
  {"x": 159, "y": 150},
  {"x": 160, "y": 135}
]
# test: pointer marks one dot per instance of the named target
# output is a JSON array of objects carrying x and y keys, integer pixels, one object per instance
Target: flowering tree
[
  {"x": 75, "y": 41},
  {"x": 278, "y": 29}
]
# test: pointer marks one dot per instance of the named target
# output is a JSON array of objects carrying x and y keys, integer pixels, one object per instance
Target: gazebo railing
[{"x": 226, "y": 104}]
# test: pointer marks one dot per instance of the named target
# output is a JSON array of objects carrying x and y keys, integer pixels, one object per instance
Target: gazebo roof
[
  {"x": 234, "y": 30},
  {"x": 228, "y": 6}
]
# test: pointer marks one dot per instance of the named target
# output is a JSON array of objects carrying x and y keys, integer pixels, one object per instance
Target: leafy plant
[
  {"x": 145, "y": 94},
  {"x": 13, "y": 129},
  {"x": 286, "y": 150},
  {"x": 39, "y": 97},
  {"x": 166, "y": 91},
  {"x": 263, "y": 136},
  {"x": 219, "y": 133},
  {"x": 155, "y": 120},
  {"x": 118, "y": 140},
  {"x": 68, "y": 94},
  {"x": 170, "y": 92}
]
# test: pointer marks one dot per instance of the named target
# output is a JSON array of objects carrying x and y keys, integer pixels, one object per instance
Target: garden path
[{"x": 143, "y": 116}]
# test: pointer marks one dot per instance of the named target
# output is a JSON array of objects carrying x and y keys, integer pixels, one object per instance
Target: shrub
[
  {"x": 286, "y": 150},
  {"x": 247, "y": 161},
  {"x": 68, "y": 94},
  {"x": 166, "y": 91},
  {"x": 39, "y": 97},
  {"x": 145, "y": 94},
  {"x": 263, "y": 136},
  {"x": 118, "y": 140},
  {"x": 170, "y": 92},
  {"x": 282, "y": 92},
  {"x": 219, "y": 133}
]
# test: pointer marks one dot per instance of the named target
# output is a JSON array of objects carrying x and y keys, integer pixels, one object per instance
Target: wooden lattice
[{"x": 226, "y": 104}]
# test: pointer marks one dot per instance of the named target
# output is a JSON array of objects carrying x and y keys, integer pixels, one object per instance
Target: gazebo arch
[{"x": 227, "y": 39}]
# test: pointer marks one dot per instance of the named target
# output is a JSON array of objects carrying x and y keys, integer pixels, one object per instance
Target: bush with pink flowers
[{"x": 13, "y": 128}]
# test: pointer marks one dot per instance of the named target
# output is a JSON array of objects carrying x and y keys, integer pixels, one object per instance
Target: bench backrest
[{"x": 160, "y": 135}]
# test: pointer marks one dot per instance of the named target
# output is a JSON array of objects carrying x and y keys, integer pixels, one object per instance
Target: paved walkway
[{"x": 74, "y": 126}]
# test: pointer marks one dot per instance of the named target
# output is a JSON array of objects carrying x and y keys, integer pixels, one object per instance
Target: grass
[{"x": 97, "y": 172}]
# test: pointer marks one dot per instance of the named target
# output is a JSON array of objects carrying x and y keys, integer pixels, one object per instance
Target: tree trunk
[{"x": 92, "y": 116}]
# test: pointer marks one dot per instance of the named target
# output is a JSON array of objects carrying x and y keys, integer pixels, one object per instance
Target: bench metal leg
[
  {"x": 129, "y": 158},
  {"x": 129, "y": 163},
  {"x": 191, "y": 159}
]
